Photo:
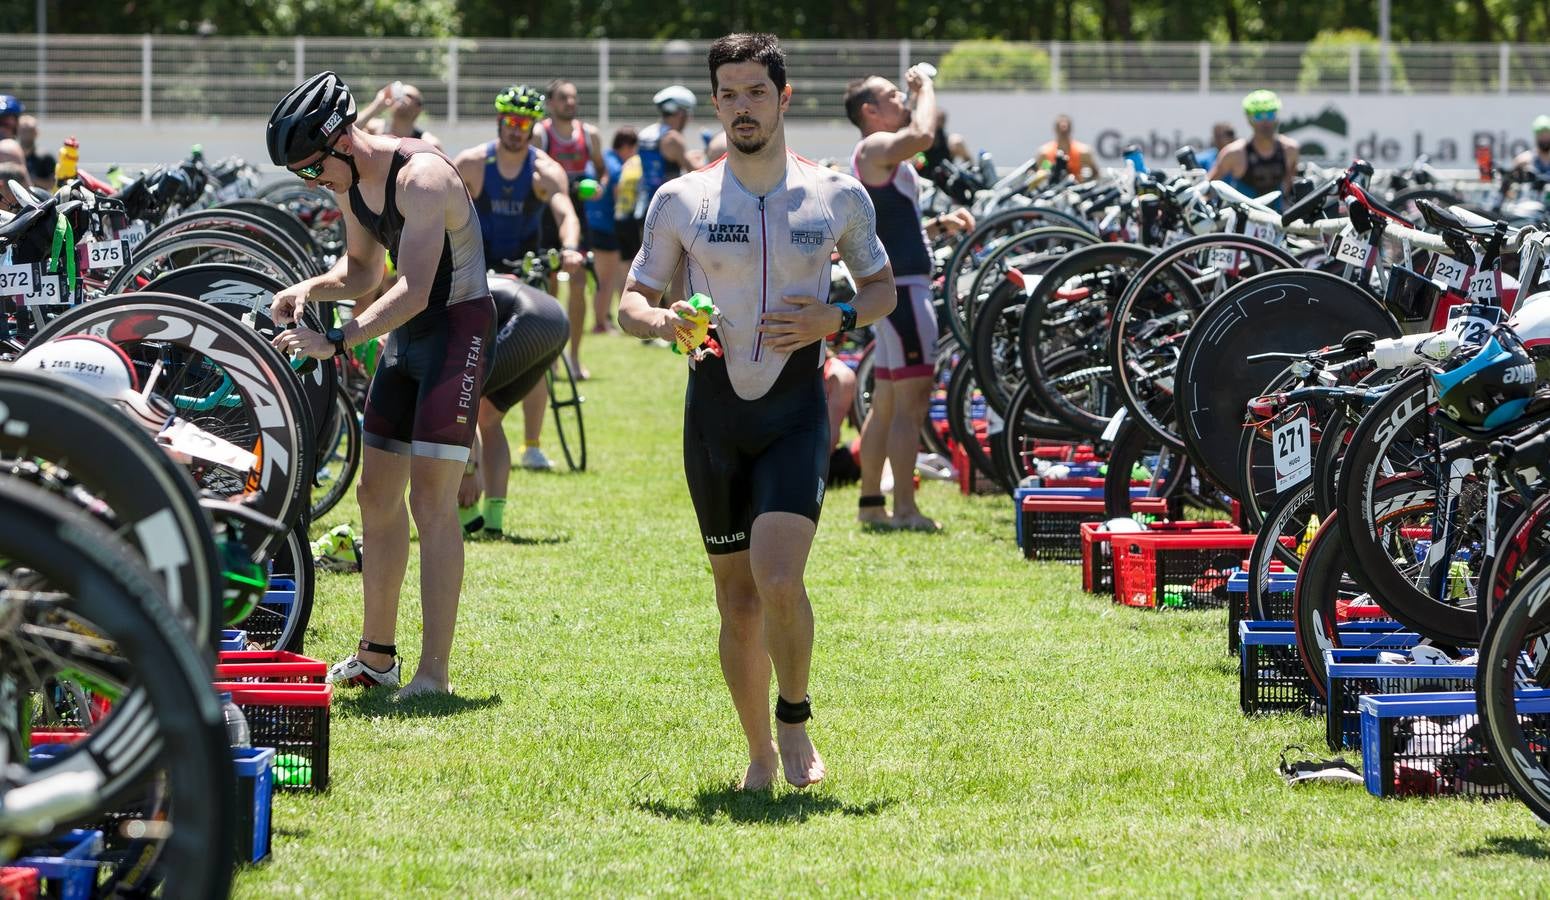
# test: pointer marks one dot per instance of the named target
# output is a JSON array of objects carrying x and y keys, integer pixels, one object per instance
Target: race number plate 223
[{"x": 1294, "y": 455}]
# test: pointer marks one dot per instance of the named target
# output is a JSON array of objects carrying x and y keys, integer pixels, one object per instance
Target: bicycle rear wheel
[{"x": 566, "y": 403}]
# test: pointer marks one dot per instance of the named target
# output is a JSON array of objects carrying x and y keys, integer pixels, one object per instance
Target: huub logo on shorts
[{"x": 720, "y": 540}]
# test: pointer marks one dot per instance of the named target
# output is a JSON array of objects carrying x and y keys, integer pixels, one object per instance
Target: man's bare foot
[
  {"x": 761, "y": 772},
  {"x": 578, "y": 370},
  {"x": 421, "y": 685},
  {"x": 798, "y": 757},
  {"x": 874, "y": 517},
  {"x": 916, "y": 522}
]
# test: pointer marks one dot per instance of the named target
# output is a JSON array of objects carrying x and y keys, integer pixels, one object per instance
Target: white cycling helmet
[
  {"x": 91, "y": 362},
  {"x": 673, "y": 98}
]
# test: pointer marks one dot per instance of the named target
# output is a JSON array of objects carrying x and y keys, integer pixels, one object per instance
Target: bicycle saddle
[{"x": 1455, "y": 219}]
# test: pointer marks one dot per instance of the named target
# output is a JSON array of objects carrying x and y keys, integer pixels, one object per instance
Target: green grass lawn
[{"x": 989, "y": 728}]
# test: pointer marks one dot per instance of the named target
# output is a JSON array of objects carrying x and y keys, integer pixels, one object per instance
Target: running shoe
[
  {"x": 354, "y": 672},
  {"x": 534, "y": 458}
]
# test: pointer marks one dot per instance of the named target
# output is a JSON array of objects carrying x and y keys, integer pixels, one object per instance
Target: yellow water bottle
[
  {"x": 1307, "y": 535},
  {"x": 700, "y": 318},
  {"x": 69, "y": 157}
]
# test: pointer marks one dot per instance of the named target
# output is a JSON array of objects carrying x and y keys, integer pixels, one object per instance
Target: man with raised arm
[
  {"x": 398, "y": 195},
  {"x": 403, "y": 105},
  {"x": 905, "y": 364},
  {"x": 578, "y": 148},
  {"x": 755, "y": 232}
]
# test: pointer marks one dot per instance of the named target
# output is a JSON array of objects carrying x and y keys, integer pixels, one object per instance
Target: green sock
[
  {"x": 494, "y": 513},
  {"x": 467, "y": 514}
]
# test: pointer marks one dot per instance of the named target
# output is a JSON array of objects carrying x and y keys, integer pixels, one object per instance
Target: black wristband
[{"x": 847, "y": 316}]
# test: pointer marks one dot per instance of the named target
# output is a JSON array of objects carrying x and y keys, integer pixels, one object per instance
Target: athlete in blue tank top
[
  {"x": 663, "y": 153},
  {"x": 905, "y": 355},
  {"x": 510, "y": 221},
  {"x": 756, "y": 232}
]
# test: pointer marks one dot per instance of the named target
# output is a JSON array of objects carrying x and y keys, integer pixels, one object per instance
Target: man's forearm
[
  {"x": 386, "y": 313},
  {"x": 874, "y": 301},
  {"x": 570, "y": 231},
  {"x": 342, "y": 282},
  {"x": 639, "y": 316}
]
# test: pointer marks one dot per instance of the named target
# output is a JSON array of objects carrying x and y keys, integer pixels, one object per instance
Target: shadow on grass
[
  {"x": 382, "y": 703},
  {"x": 1504, "y": 845},
  {"x": 758, "y": 807},
  {"x": 525, "y": 541}
]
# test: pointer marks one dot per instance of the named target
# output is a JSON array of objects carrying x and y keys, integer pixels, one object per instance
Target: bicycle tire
[
  {"x": 1515, "y": 636},
  {"x": 171, "y": 719},
  {"x": 1051, "y": 324},
  {"x": 259, "y": 374},
  {"x": 979, "y": 243},
  {"x": 237, "y": 221},
  {"x": 343, "y": 451},
  {"x": 1187, "y": 299},
  {"x": 1134, "y": 444},
  {"x": 1052, "y": 241},
  {"x": 1026, "y": 424},
  {"x": 1288, "y": 516},
  {"x": 565, "y": 400},
  {"x": 150, "y": 495},
  {"x": 282, "y": 219},
  {"x": 192, "y": 248},
  {"x": 278, "y": 625},
  {"x": 961, "y": 388},
  {"x": 1283, "y": 311}
]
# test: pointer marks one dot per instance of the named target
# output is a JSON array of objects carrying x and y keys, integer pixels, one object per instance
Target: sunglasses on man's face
[
  {"x": 522, "y": 123},
  {"x": 1263, "y": 117},
  {"x": 314, "y": 170}
]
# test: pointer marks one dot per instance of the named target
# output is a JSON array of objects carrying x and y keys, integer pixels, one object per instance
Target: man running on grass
[{"x": 755, "y": 231}]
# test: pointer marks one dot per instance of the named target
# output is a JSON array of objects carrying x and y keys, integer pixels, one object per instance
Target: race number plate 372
[{"x": 1293, "y": 453}]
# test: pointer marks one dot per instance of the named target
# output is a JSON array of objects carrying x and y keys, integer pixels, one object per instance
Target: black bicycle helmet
[
  {"x": 308, "y": 118},
  {"x": 1487, "y": 387}
]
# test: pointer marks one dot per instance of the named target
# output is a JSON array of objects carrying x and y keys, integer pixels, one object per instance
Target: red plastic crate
[
  {"x": 970, "y": 479},
  {"x": 293, "y": 719},
  {"x": 279, "y": 666},
  {"x": 1098, "y": 555},
  {"x": 18, "y": 884},
  {"x": 1052, "y": 526},
  {"x": 1187, "y": 571}
]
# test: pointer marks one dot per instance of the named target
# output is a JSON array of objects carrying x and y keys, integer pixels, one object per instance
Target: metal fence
[{"x": 155, "y": 77}]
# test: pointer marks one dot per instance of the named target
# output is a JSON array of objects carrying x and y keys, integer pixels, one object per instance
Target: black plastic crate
[
  {"x": 1278, "y": 596},
  {"x": 1271, "y": 677}
]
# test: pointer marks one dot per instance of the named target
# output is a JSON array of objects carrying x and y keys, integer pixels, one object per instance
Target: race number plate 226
[{"x": 1293, "y": 452}]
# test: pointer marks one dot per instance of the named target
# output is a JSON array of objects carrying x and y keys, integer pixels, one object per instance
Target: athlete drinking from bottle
[{"x": 755, "y": 232}]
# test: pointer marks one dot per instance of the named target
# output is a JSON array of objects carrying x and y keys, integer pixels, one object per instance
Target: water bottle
[
  {"x": 1137, "y": 161},
  {"x": 69, "y": 157},
  {"x": 237, "y": 733}
]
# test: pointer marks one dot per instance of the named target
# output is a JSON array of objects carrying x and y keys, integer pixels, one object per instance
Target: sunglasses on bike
[
  {"x": 314, "y": 169},
  {"x": 512, "y": 120}
]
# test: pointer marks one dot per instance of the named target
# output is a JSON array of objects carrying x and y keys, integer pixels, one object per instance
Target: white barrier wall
[{"x": 1388, "y": 131}]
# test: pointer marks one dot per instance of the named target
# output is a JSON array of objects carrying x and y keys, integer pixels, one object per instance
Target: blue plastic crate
[
  {"x": 69, "y": 864},
  {"x": 1353, "y": 674},
  {"x": 234, "y": 639},
  {"x": 1271, "y": 677},
  {"x": 1430, "y": 744},
  {"x": 255, "y": 802},
  {"x": 1238, "y": 601}
]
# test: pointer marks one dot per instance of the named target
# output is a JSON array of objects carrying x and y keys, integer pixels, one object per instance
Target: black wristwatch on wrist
[
  {"x": 847, "y": 316},
  {"x": 335, "y": 336}
]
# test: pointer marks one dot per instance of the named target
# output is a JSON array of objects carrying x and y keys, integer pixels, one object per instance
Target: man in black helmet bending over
[{"x": 402, "y": 195}]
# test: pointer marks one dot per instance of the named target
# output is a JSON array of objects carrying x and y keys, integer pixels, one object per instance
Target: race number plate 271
[{"x": 1293, "y": 452}]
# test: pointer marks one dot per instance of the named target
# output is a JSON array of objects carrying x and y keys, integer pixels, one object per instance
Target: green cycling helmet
[
  {"x": 521, "y": 100},
  {"x": 1261, "y": 102},
  {"x": 1542, "y": 123}
]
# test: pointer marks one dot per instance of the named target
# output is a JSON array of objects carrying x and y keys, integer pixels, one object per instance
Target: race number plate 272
[{"x": 1294, "y": 455}]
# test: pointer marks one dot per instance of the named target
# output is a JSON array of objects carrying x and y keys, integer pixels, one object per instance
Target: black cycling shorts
[
  {"x": 628, "y": 233},
  {"x": 606, "y": 241},
  {"x": 531, "y": 331},
  {"x": 745, "y": 458},
  {"x": 424, "y": 398}
]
